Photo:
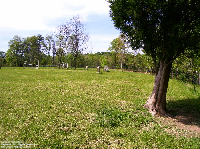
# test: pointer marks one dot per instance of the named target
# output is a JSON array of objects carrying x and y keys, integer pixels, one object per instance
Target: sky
[{"x": 26, "y": 18}]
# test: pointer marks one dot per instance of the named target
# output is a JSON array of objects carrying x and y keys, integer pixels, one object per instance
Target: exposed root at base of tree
[{"x": 151, "y": 106}]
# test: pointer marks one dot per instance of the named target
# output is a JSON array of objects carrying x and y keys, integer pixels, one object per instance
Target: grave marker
[
  {"x": 106, "y": 68},
  {"x": 98, "y": 69}
]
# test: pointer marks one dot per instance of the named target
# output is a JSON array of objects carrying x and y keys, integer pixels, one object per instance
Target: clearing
[{"x": 83, "y": 109}]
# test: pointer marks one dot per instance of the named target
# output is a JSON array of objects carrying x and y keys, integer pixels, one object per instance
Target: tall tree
[
  {"x": 78, "y": 39},
  {"x": 104, "y": 60},
  {"x": 60, "y": 53},
  {"x": 49, "y": 44},
  {"x": 2, "y": 58},
  {"x": 14, "y": 55},
  {"x": 62, "y": 35},
  {"x": 165, "y": 29},
  {"x": 115, "y": 50},
  {"x": 118, "y": 49},
  {"x": 33, "y": 51}
]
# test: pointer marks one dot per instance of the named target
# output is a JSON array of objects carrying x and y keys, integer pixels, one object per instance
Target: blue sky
[{"x": 32, "y": 17}]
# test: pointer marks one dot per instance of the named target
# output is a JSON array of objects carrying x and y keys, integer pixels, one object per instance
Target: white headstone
[
  {"x": 98, "y": 69},
  {"x": 106, "y": 68},
  {"x": 38, "y": 63}
]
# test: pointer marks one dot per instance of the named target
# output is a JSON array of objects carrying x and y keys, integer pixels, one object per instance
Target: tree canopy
[
  {"x": 70, "y": 37},
  {"x": 165, "y": 29},
  {"x": 24, "y": 49},
  {"x": 119, "y": 48}
]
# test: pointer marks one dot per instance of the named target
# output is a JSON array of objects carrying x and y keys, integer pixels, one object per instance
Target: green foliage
[
  {"x": 92, "y": 60},
  {"x": 104, "y": 60},
  {"x": 44, "y": 62},
  {"x": 15, "y": 52},
  {"x": 2, "y": 54},
  {"x": 187, "y": 68},
  {"x": 164, "y": 29},
  {"x": 68, "y": 38},
  {"x": 72, "y": 38},
  {"x": 113, "y": 117},
  {"x": 81, "y": 109},
  {"x": 118, "y": 48},
  {"x": 27, "y": 49},
  {"x": 33, "y": 51}
]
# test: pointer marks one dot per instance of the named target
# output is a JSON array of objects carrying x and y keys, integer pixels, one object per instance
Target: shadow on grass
[{"x": 186, "y": 111}]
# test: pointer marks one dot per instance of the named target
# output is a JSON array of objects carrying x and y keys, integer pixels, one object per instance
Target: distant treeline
[{"x": 185, "y": 69}]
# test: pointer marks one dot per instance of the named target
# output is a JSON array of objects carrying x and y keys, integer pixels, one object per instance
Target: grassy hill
[{"x": 83, "y": 109}]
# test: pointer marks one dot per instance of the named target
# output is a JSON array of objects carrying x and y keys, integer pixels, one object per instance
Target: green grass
[{"x": 83, "y": 109}]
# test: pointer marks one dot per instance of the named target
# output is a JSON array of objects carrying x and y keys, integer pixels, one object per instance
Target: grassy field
[{"x": 83, "y": 109}]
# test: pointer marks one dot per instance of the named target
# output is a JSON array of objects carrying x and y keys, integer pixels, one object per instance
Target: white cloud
[
  {"x": 31, "y": 17},
  {"x": 103, "y": 38},
  {"x": 33, "y": 14},
  {"x": 100, "y": 43},
  {"x": 91, "y": 7}
]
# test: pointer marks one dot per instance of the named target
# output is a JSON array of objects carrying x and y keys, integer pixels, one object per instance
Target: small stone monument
[
  {"x": 25, "y": 63},
  {"x": 38, "y": 65},
  {"x": 98, "y": 69},
  {"x": 86, "y": 67},
  {"x": 67, "y": 66},
  {"x": 106, "y": 68}
]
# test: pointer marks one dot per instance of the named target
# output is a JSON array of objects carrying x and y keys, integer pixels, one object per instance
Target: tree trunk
[
  {"x": 59, "y": 63},
  {"x": 157, "y": 101},
  {"x": 199, "y": 79},
  {"x": 53, "y": 59},
  {"x": 75, "y": 58},
  {"x": 172, "y": 74}
]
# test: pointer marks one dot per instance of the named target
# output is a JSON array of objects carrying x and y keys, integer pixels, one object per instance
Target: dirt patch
[
  {"x": 184, "y": 114},
  {"x": 180, "y": 125}
]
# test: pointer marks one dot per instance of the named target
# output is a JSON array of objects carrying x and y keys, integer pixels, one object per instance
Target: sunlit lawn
[{"x": 83, "y": 109}]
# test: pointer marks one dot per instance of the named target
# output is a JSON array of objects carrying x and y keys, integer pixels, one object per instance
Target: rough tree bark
[
  {"x": 75, "y": 63},
  {"x": 59, "y": 62},
  {"x": 157, "y": 101},
  {"x": 75, "y": 60}
]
